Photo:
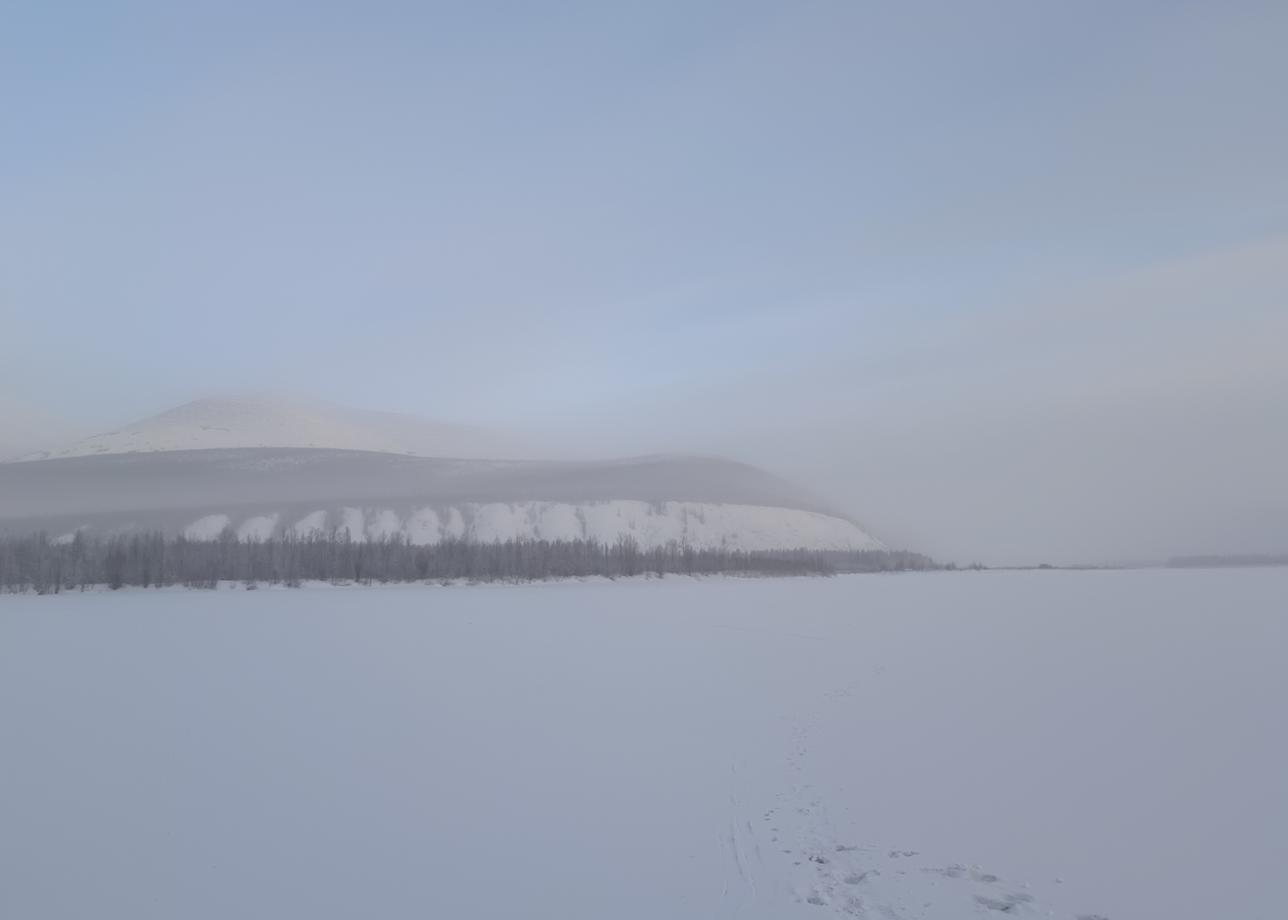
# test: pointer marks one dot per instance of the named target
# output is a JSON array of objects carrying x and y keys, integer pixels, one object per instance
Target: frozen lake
[{"x": 1066, "y": 744}]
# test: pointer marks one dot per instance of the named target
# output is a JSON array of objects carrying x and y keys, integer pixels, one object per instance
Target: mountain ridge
[
  {"x": 269, "y": 420},
  {"x": 204, "y": 467}
]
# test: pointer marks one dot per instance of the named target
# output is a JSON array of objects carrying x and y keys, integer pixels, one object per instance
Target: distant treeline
[
  {"x": 1216, "y": 562},
  {"x": 879, "y": 560},
  {"x": 36, "y": 563}
]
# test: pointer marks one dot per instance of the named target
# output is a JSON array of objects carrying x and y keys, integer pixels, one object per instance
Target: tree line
[{"x": 37, "y": 563}]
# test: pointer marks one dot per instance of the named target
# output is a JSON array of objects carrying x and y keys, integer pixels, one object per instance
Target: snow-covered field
[{"x": 930, "y": 746}]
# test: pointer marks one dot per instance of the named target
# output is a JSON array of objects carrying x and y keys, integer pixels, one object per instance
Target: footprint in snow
[{"x": 1006, "y": 904}]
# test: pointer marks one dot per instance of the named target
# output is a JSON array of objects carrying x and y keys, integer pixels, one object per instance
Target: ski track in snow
[{"x": 813, "y": 864}]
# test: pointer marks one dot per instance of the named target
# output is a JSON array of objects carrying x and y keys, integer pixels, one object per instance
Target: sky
[{"x": 1008, "y": 281}]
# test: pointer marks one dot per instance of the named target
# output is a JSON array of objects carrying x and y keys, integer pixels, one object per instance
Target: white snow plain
[{"x": 1068, "y": 744}]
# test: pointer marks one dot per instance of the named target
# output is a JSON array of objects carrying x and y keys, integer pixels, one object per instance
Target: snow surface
[
  {"x": 278, "y": 421},
  {"x": 208, "y": 527},
  {"x": 353, "y": 522},
  {"x": 651, "y": 524},
  {"x": 311, "y": 524},
  {"x": 971, "y": 745},
  {"x": 259, "y": 527}
]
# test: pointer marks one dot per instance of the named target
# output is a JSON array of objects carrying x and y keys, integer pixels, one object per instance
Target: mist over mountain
[
  {"x": 262, "y": 420},
  {"x": 1026, "y": 306},
  {"x": 260, "y": 467}
]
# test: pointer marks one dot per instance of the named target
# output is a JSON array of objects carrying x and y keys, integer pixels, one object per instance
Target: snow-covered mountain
[
  {"x": 279, "y": 421},
  {"x": 649, "y": 524},
  {"x": 265, "y": 467}
]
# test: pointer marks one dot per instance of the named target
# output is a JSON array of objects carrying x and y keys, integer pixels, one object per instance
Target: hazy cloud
[{"x": 1008, "y": 281}]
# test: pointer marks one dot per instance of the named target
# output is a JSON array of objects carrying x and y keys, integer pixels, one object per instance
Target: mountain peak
[{"x": 274, "y": 420}]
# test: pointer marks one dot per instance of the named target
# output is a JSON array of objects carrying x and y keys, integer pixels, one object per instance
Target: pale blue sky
[{"x": 651, "y": 226}]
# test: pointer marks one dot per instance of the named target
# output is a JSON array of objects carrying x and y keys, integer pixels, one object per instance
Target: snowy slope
[
  {"x": 260, "y": 492},
  {"x": 274, "y": 421},
  {"x": 696, "y": 524}
]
